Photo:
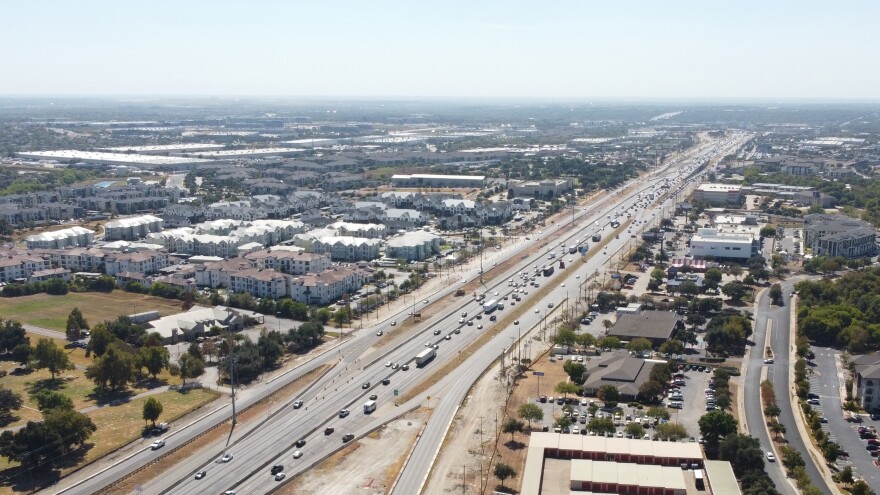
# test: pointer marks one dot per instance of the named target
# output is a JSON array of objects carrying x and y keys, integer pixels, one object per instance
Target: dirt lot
[{"x": 371, "y": 464}]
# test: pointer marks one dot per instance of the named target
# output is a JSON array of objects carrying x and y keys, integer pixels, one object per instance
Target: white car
[
  {"x": 394, "y": 323},
  {"x": 226, "y": 458},
  {"x": 771, "y": 457},
  {"x": 158, "y": 444},
  {"x": 388, "y": 364},
  {"x": 297, "y": 454}
]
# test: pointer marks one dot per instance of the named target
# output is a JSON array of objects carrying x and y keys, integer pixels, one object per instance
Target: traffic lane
[
  {"x": 780, "y": 343},
  {"x": 845, "y": 433},
  {"x": 753, "y": 410}
]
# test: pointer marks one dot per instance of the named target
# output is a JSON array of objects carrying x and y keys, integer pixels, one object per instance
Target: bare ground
[{"x": 370, "y": 465}]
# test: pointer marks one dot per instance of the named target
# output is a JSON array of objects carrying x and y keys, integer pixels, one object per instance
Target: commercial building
[
  {"x": 429, "y": 180},
  {"x": 197, "y": 322},
  {"x": 612, "y": 465},
  {"x": 103, "y": 158},
  {"x": 656, "y": 326},
  {"x": 542, "y": 189},
  {"x": 836, "y": 235},
  {"x": 719, "y": 194},
  {"x": 620, "y": 369},
  {"x": 60, "y": 239},
  {"x": 132, "y": 228},
  {"x": 723, "y": 246}
]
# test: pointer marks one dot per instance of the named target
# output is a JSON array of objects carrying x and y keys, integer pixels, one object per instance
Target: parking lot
[{"x": 692, "y": 386}]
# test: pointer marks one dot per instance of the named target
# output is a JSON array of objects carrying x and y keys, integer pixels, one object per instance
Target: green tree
[
  {"x": 609, "y": 342},
  {"x": 609, "y": 395},
  {"x": 33, "y": 445},
  {"x": 601, "y": 426},
  {"x": 575, "y": 370},
  {"x": 12, "y": 335},
  {"x": 566, "y": 337},
  {"x": 566, "y": 388},
  {"x": 712, "y": 278},
  {"x": 639, "y": 345},
  {"x": 734, "y": 290},
  {"x": 846, "y": 475},
  {"x": 189, "y": 367},
  {"x": 152, "y": 410},
  {"x": 715, "y": 425},
  {"x": 48, "y": 355},
  {"x": 503, "y": 472},
  {"x": 512, "y": 426},
  {"x": 154, "y": 359},
  {"x": 777, "y": 428},
  {"x": 671, "y": 431},
  {"x": 9, "y": 402},
  {"x": 100, "y": 339},
  {"x": 771, "y": 410},
  {"x": 658, "y": 412},
  {"x": 776, "y": 294},
  {"x": 22, "y": 354},
  {"x": 743, "y": 452},
  {"x": 768, "y": 231},
  {"x": 861, "y": 487},
  {"x": 73, "y": 427},
  {"x": 271, "y": 345},
  {"x": 76, "y": 323},
  {"x": 51, "y": 399},
  {"x": 114, "y": 370},
  {"x": 672, "y": 347},
  {"x": 531, "y": 412},
  {"x": 635, "y": 429},
  {"x": 195, "y": 350}
]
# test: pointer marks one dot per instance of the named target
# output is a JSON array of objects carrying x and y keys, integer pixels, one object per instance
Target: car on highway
[
  {"x": 449, "y": 337},
  {"x": 277, "y": 468},
  {"x": 158, "y": 444},
  {"x": 297, "y": 454},
  {"x": 537, "y": 311},
  {"x": 226, "y": 458},
  {"x": 297, "y": 404},
  {"x": 461, "y": 320},
  {"x": 300, "y": 443},
  {"x": 347, "y": 437},
  {"x": 344, "y": 412},
  {"x": 380, "y": 333},
  {"x": 479, "y": 327},
  {"x": 374, "y": 397},
  {"x": 563, "y": 284},
  {"x": 405, "y": 367},
  {"x": 329, "y": 430},
  {"x": 394, "y": 323},
  {"x": 493, "y": 317},
  {"x": 386, "y": 381},
  {"x": 437, "y": 332},
  {"x": 464, "y": 314},
  {"x": 550, "y": 305},
  {"x": 388, "y": 364},
  {"x": 771, "y": 457},
  {"x": 470, "y": 323},
  {"x": 768, "y": 361},
  {"x": 365, "y": 385},
  {"x": 395, "y": 366},
  {"x": 279, "y": 476},
  {"x": 201, "y": 474}
]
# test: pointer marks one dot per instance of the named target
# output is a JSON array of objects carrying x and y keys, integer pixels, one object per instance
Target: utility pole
[{"x": 464, "y": 478}]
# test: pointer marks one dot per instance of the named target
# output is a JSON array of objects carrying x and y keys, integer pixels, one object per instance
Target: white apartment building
[
  {"x": 718, "y": 245},
  {"x": 21, "y": 266},
  {"x": 411, "y": 246},
  {"x": 327, "y": 286},
  {"x": 345, "y": 248},
  {"x": 259, "y": 283},
  {"x": 60, "y": 239},
  {"x": 79, "y": 259},
  {"x": 366, "y": 230},
  {"x": 288, "y": 261},
  {"x": 132, "y": 228},
  {"x": 140, "y": 262}
]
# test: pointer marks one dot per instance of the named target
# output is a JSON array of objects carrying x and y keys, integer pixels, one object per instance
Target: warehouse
[{"x": 429, "y": 180}]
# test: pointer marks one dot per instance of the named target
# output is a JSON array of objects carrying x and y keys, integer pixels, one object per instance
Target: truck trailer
[
  {"x": 490, "y": 306},
  {"x": 425, "y": 356}
]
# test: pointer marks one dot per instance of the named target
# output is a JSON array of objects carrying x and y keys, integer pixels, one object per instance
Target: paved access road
[{"x": 778, "y": 318}]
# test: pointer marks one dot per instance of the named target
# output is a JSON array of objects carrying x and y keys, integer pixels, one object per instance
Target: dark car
[
  {"x": 277, "y": 468},
  {"x": 347, "y": 437},
  {"x": 366, "y": 385},
  {"x": 386, "y": 381},
  {"x": 301, "y": 442},
  {"x": 328, "y": 430}
]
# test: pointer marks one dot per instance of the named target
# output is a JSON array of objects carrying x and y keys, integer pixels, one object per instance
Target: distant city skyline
[{"x": 689, "y": 50}]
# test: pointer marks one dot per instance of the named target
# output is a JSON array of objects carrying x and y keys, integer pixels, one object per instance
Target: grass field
[
  {"x": 51, "y": 312},
  {"x": 123, "y": 424}
]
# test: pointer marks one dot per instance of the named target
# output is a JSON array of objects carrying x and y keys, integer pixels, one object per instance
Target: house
[
  {"x": 620, "y": 369},
  {"x": 656, "y": 326},
  {"x": 197, "y": 322}
]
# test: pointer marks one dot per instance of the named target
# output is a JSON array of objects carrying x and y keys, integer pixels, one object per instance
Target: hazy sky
[{"x": 582, "y": 49}]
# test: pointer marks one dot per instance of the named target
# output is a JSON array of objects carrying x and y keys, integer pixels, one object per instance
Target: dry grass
[
  {"x": 51, "y": 312},
  {"x": 129, "y": 484}
]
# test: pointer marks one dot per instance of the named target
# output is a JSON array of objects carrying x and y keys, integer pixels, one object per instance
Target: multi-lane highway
[{"x": 362, "y": 360}]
